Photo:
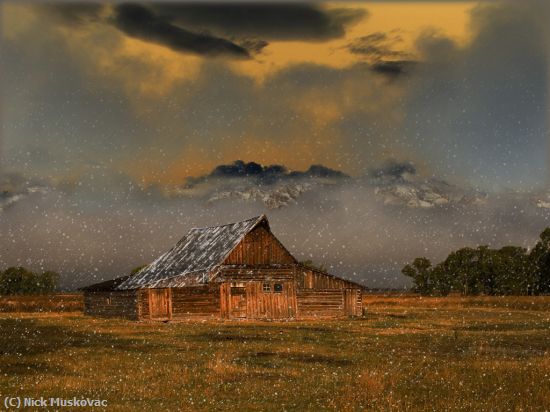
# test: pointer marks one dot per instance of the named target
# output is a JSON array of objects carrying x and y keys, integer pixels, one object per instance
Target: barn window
[
  {"x": 109, "y": 300},
  {"x": 267, "y": 288},
  {"x": 278, "y": 287}
]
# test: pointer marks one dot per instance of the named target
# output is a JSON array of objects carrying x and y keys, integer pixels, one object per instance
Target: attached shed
[{"x": 235, "y": 271}]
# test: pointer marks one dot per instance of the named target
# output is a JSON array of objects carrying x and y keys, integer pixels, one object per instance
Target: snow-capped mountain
[
  {"x": 275, "y": 197},
  {"x": 8, "y": 198},
  {"x": 426, "y": 194}
]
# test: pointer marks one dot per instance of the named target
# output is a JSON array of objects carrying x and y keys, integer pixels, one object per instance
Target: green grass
[{"x": 419, "y": 355}]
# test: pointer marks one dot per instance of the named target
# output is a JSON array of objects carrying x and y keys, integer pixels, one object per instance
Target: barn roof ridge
[{"x": 255, "y": 218}]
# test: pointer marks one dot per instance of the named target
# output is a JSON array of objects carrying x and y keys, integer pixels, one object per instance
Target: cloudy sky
[{"x": 369, "y": 133}]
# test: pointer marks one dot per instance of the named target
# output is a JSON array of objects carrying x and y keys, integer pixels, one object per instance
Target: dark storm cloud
[
  {"x": 267, "y": 174},
  {"x": 393, "y": 68},
  {"x": 378, "y": 45},
  {"x": 270, "y": 21},
  {"x": 242, "y": 169},
  {"x": 254, "y": 46},
  {"x": 143, "y": 23},
  {"x": 73, "y": 13},
  {"x": 378, "y": 49},
  {"x": 394, "y": 170},
  {"x": 320, "y": 171}
]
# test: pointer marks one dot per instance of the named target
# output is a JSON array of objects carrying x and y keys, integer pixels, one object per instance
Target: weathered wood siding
[
  {"x": 359, "y": 303},
  {"x": 160, "y": 303},
  {"x": 264, "y": 299},
  {"x": 259, "y": 247},
  {"x": 119, "y": 304},
  {"x": 312, "y": 279},
  {"x": 257, "y": 273},
  {"x": 270, "y": 304},
  {"x": 143, "y": 304},
  {"x": 325, "y": 303},
  {"x": 197, "y": 301},
  {"x": 328, "y": 303},
  {"x": 248, "y": 292},
  {"x": 353, "y": 302}
]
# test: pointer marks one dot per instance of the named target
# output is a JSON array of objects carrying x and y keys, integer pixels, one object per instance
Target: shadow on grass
[
  {"x": 29, "y": 368},
  {"x": 265, "y": 334},
  {"x": 505, "y": 327},
  {"x": 226, "y": 336},
  {"x": 23, "y": 339},
  {"x": 270, "y": 358}
]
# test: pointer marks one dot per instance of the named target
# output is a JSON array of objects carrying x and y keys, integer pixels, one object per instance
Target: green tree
[
  {"x": 48, "y": 281},
  {"x": 540, "y": 258},
  {"x": 515, "y": 272},
  {"x": 16, "y": 280},
  {"x": 20, "y": 281},
  {"x": 510, "y": 270},
  {"x": 441, "y": 281},
  {"x": 420, "y": 270},
  {"x": 463, "y": 270}
]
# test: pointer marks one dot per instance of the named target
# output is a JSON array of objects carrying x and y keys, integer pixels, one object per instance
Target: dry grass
[
  {"x": 453, "y": 354},
  {"x": 55, "y": 302}
]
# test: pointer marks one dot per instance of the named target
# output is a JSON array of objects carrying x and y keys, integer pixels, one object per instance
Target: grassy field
[
  {"x": 57, "y": 302},
  {"x": 409, "y": 353}
]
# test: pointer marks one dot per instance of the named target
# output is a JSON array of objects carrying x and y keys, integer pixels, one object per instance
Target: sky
[{"x": 370, "y": 133}]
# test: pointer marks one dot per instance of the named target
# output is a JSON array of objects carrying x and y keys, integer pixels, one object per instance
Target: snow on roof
[{"x": 193, "y": 259}]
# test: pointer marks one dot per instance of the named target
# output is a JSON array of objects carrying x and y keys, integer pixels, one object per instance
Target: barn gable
[
  {"x": 195, "y": 258},
  {"x": 260, "y": 247}
]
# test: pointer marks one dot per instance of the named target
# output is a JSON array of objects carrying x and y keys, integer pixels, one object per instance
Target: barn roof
[
  {"x": 194, "y": 258},
  {"x": 105, "y": 286}
]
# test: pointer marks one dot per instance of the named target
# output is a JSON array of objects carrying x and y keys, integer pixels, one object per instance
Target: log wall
[
  {"x": 260, "y": 292},
  {"x": 119, "y": 304},
  {"x": 143, "y": 304},
  {"x": 198, "y": 301},
  {"x": 327, "y": 303},
  {"x": 353, "y": 302}
]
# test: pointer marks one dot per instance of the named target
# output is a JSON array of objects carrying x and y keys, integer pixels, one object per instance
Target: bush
[{"x": 20, "y": 281}]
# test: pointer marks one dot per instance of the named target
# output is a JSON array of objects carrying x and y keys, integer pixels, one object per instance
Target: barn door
[
  {"x": 159, "y": 303},
  {"x": 350, "y": 300},
  {"x": 238, "y": 302}
]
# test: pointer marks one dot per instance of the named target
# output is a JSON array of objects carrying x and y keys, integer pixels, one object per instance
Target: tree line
[
  {"x": 510, "y": 270},
  {"x": 20, "y": 281}
]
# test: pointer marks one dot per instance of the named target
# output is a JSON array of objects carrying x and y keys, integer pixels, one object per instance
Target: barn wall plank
[
  {"x": 196, "y": 301},
  {"x": 320, "y": 303},
  {"x": 114, "y": 304}
]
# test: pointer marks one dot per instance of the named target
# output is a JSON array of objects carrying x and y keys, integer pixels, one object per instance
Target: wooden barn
[{"x": 235, "y": 271}]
